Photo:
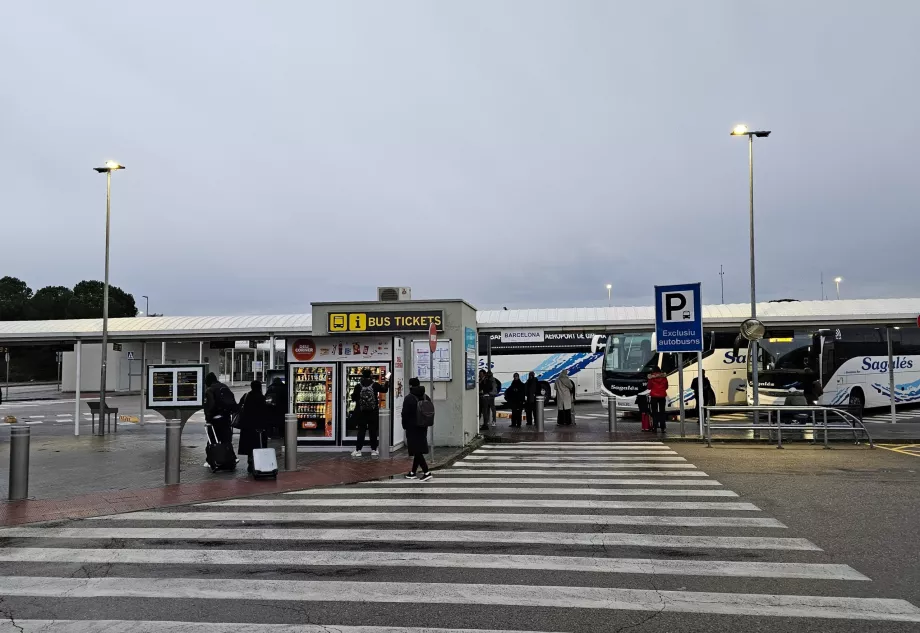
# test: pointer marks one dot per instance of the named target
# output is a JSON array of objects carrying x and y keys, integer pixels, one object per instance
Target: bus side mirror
[{"x": 737, "y": 346}]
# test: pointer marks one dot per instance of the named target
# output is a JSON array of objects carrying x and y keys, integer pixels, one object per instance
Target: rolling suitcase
[
  {"x": 264, "y": 460},
  {"x": 219, "y": 456},
  {"x": 646, "y": 422}
]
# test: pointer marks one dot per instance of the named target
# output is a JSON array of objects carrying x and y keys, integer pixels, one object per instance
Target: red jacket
[{"x": 658, "y": 385}]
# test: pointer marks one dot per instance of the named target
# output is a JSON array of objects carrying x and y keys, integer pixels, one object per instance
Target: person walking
[
  {"x": 252, "y": 421},
  {"x": 709, "y": 396},
  {"x": 416, "y": 433},
  {"x": 367, "y": 405},
  {"x": 658, "y": 396},
  {"x": 276, "y": 399},
  {"x": 487, "y": 392},
  {"x": 531, "y": 391},
  {"x": 219, "y": 407},
  {"x": 514, "y": 396},
  {"x": 565, "y": 399}
]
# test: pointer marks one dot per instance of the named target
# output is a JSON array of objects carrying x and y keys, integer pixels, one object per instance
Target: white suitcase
[{"x": 264, "y": 461}]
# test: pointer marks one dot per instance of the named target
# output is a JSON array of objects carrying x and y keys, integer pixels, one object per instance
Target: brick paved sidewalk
[{"x": 316, "y": 470}]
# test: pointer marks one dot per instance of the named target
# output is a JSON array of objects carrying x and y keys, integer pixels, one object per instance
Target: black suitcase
[{"x": 220, "y": 456}]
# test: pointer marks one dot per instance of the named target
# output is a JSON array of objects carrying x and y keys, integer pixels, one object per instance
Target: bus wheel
[{"x": 858, "y": 402}]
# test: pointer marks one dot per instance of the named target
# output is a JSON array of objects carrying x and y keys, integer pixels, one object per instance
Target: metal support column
[
  {"x": 163, "y": 353},
  {"x": 140, "y": 417},
  {"x": 680, "y": 383},
  {"x": 384, "y": 434},
  {"x": 290, "y": 441},
  {"x": 538, "y": 413},
  {"x": 271, "y": 352},
  {"x": 702, "y": 397},
  {"x": 200, "y": 352},
  {"x": 612, "y": 414},
  {"x": 76, "y": 405},
  {"x": 894, "y": 412},
  {"x": 19, "y": 461},
  {"x": 173, "y": 445}
]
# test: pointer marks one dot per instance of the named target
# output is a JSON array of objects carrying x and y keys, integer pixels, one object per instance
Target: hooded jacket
[{"x": 658, "y": 385}]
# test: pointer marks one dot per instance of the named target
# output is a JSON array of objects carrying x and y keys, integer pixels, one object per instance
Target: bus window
[
  {"x": 629, "y": 352},
  {"x": 786, "y": 350},
  {"x": 906, "y": 341}
]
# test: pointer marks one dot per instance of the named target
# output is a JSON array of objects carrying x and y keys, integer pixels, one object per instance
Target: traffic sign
[
  {"x": 679, "y": 318},
  {"x": 130, "y": 355},
  {"x": 432, "y": 337}
]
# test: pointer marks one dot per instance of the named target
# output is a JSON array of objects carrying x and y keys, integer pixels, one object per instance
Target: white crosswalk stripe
[{"x": 517, "y": 537}]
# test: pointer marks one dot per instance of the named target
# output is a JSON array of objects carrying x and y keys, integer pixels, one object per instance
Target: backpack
[
  {"x": 424, "y": 413},
  {"x": 367, "y": 398},
  {"x": 225, "y": 402}
]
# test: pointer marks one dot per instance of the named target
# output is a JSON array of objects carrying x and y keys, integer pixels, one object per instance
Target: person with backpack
[
  {"x": 276, "y": 399},
  {"x": 514, "y": 396},
  {"x": 531, "y": 391},
  {"x": 658, "y": 396},
  {"x": 219, "y": 407},
  {"x": 366, "y": 413},
  {"x": 417, "y": 416}
]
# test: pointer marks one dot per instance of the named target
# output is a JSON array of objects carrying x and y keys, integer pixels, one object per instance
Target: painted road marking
[
  {"x": 904, "y": 449},
  {"x": 877, "y": 609},
  {"x": 594, "y": 473},
  {"x": 449, "y": 517},
  {"x": 315, "y": 535},
  {"x": 320, "y": 558},
  {"x": 463, "y": 479},
  {"x": 570, "y": 464},
  {"x": 584, "y": 504},
  {"x": 175, "y": 626},
  {"x": 569, "y": 459},
  {"x": 352, "y": 491}
]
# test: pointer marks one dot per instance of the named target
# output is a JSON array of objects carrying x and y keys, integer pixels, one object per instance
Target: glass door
[
  {"x": 353, "y": 373},
  {"x": 313, "y": 389}
]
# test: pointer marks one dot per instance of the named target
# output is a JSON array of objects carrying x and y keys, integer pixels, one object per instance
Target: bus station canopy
[{"x": 896, "y": 312}]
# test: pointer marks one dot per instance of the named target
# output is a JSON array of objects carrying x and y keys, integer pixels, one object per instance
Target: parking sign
[{"x": 679, "y": 318}]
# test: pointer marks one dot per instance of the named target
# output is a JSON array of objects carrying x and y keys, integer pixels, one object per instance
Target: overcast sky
[{"x": 518, "y": 154}]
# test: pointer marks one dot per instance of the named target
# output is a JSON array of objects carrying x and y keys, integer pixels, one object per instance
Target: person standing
[
  {"x": 709, "y": 396},
  {"x": 367, "y": 405},
  {"x": 488, "y": 389},
  {"x": 484, "y": 389},
  {"x": 219, "y": 407},
  {"x": 514, "y": 396},
  {"x": 252, "y": 421},
  {"x": 416, "y": 433},
  {"x": 658, "y": 396},
  {"x": 565, "y": 398},
  {"x": 531, "y": 391},
  {"x": 276, "y": 399}
]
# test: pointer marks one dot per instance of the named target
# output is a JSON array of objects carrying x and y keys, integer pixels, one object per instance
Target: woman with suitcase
[{"x": 251, "y": 421}]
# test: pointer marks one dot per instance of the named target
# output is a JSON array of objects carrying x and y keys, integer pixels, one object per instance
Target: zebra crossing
[{"x": 500, "y": 541}]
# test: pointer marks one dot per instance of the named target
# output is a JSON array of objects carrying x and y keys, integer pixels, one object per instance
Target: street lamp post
[
  {"x": 146, "y": 305},
  {"x": 742, "y": 130},
  {"x": 110, "y": 166},
  {"x": 837, "y": 281},
  {"x": 609, "y": 288}
]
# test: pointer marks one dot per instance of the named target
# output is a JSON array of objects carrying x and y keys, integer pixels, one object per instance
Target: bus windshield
[
  {"x": 629, "y": 353},
  {"x": 786, "y": 351}
]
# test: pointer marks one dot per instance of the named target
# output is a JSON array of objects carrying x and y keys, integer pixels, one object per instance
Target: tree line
[{"x": 83, "y": 301}]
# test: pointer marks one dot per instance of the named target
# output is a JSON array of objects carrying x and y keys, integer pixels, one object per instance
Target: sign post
[
  {"x": 432, "y": 346},
  {"x": 679, "y": 328}
]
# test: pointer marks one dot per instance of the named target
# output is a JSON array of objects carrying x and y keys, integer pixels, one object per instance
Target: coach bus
[
  {"x": 578, "y": 352},
  {"x": 630, "y": 357},
  {"x": 837, "y": 365}
]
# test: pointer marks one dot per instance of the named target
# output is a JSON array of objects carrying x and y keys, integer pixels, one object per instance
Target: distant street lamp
[
  {"x": 609, "y": 288},
  {"x": 147, "y": 306},
  {"x": 837, "y": 281},
  {"x": 110, "y": 166},
  {"x": 742, "y": 130}
]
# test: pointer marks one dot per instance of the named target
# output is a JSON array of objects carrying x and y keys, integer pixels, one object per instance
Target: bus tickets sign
[{"x": 679, "y": 318}]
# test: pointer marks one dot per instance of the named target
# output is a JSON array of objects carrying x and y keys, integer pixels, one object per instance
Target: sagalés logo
[{"x": 304, "y": 349}]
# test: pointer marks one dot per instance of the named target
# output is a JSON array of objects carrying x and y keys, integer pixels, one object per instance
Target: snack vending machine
[
  {"x": 313, "y": 390},
  {"x": 353, "y": 373}
]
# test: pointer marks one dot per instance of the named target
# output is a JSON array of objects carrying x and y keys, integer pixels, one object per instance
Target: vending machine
[
  {"x": 353, "y": 374},
  {"x": 313, "y": 389}
]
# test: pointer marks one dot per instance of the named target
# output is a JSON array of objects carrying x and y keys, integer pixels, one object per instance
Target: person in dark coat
[
  {"x": 416, "y": 436},
  {"x": 366, "y": 415},
  {"x": 276, "y": 398},
  {"x": 514, "y": 396},
  {"x": 252, "y": 420},
  {"x": 709, "y": 396},
  {"x": 531, "y": 391},
  {"x": 214, "y": 412}
]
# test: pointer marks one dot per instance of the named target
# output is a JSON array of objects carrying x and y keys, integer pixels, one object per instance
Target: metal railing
[{"x": 847, "y": 422}]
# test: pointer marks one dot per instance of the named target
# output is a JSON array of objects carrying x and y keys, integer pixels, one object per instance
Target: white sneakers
[
  {"x": 375, "y": 453},
  {"x": 356, "y": 454}
]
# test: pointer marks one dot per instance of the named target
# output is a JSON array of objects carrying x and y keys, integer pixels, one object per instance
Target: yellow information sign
[{"x": 386, "y": 321}]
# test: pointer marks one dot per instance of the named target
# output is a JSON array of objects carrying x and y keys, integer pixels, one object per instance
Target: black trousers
[
  {"x": 368, "y": 422},
  {"x": 418, "y": 462},
  {"x": 530, "y": 409},
  {"x": 659, "y": 418},
  {"x": 516, "y": 413}
]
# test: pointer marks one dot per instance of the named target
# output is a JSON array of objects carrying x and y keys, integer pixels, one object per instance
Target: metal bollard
[
  {"x": 290, "y": 441},
  {"x": 384, "y": 434},
  {"x": 611, "y": 415},
  {"x": 538, "y": 413},
  {"x": 20, "y": 435},
  {"x": 173, "y": 445}
]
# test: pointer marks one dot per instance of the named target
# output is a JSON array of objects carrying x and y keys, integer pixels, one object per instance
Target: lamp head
[
  {"x": 110, "y": 166},
  {"x": 739, "y": 130}
]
